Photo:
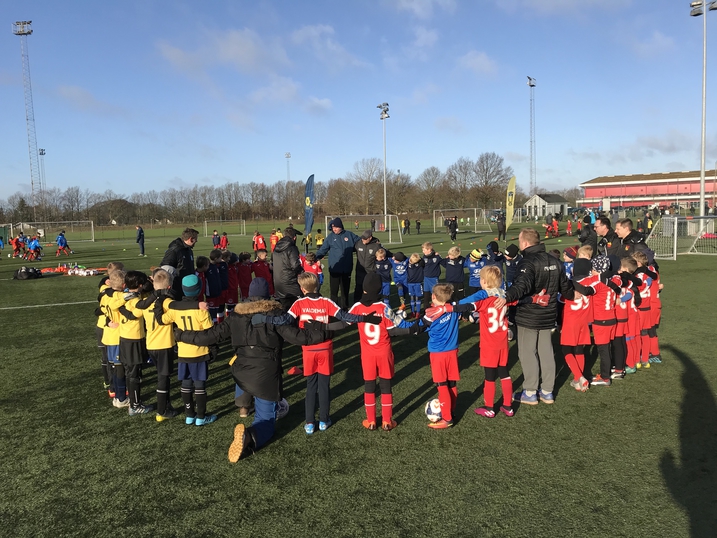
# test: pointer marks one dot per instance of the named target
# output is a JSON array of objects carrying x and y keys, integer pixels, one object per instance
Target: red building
[{"x": 664, "y": 190}]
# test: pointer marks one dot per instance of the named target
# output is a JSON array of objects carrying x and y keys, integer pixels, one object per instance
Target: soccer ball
[
  {"x": 9, "y": 255},
  {"x": 474, "y": 317},
  {"x": 282, "y": 408},
  {"x": 433, "y": 410}
]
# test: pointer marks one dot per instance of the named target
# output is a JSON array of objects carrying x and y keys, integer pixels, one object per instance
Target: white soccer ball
[
  {"x": 433, "y": 410},
  {"x": 282, "y": 408},
  {"x": 9, "y": 255}
]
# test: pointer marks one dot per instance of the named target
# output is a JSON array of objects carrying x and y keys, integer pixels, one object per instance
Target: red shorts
[
  {"x": 444, "y": 366},
  {"x": 645, "y": 319},
  {"x": 574, "y": 335},
  {"x": 621, "y": 328},
  {"x": 492, "y": 358},
  {"x": 603, "y": 334},
  {"x": 655, "y": 316},
  {"x": 231, "y": 296},
  {"x": 215, "y": 302},
  {"x": 319, "y": 361},
  {"x": 377, "y": 365}
]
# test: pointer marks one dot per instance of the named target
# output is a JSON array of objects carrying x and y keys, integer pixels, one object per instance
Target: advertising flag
[
  {"x": 309, "y": 205},
  {"x": 509, "y": 202}
]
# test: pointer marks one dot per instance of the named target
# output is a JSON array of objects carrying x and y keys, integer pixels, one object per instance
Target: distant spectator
[{"x": 140, "y": 240}]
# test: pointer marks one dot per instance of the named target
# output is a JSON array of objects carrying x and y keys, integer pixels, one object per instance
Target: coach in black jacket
[
  {"x": 588, "y": 236},
  {"x": 538, "y": 272},
  {"x": 609, "y": 243},
  {"x": 365, "y": 248},
  {"x": 179, "y": 258},
  {"x": 287, "y": 267}
]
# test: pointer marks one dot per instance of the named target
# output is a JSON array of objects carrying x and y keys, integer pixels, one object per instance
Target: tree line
[{"x": 480, "y": 183}]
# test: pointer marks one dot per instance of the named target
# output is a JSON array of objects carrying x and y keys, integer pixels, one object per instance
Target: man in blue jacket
[
  {"x": 140, "y": 240},
  {"x": 340, "y": 247}
]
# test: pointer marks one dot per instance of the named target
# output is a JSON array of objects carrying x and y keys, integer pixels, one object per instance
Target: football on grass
[
  {"x": 282, "y": 408},
  {"x": 433, "y": 410}
]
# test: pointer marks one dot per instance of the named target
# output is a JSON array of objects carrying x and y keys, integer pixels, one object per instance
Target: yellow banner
[{"x": 509, "y": 203}]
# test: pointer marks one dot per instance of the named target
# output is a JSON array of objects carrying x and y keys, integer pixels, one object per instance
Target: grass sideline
[{"x": 635, "y": 459}]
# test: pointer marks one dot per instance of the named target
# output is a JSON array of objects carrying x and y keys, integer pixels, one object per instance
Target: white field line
[{"x": 41, "y": 305}]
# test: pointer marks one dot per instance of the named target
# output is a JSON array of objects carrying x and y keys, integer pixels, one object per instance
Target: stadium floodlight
[
  {"x": 383, "y": 117},
  {"x": 697, "y": 10},
  {"x": 288, "y": 172}
]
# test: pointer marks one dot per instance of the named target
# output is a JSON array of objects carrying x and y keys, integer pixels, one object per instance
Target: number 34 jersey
[{"x": 493, "y": 324}]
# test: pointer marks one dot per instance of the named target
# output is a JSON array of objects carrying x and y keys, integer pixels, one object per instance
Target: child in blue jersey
[
  {"x": 569, "y": 255},
  {"x": 512, "y": 259},
  {"x": 62, "y": 244},
  {"x": 476, "y": 262},
  {"x": 383, "y": 269},
  {"x": 454, "y": 265},
  {"x": 431, "y": 271},
  {"x": 400, "y": 276},
  {"x": 415, "y": 282}
]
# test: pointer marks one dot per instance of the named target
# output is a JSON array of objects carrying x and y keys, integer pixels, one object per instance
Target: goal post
[
  {"x": 76, "y": 231},
  {"x": 386, "y": 227},
  {"x": 470, "y": 219},
  {"x": 673, "y": 235},
  {"x": 231, "y": 227}
]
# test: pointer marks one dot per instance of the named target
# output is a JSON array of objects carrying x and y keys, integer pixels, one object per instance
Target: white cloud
[
  {"x": 280, "y": 90},
  {"x": 424, "y": 40},
  {"x": 515, "y": 157},
  {"x": 655, "y": 45},
  {"x": 320, "y": 38},
  {"x": 318, "y": 107},
  {"x": 421, "y": 95},
  {"x": 548, "y": 7},
  {"x": 423, "y": 9},
  {"x": 477, "y": 62},
  {"x": 450, "y": 124},
  {"x": 83, "y": 99}
]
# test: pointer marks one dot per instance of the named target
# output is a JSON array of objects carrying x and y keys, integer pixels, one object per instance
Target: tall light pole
[
  {"x": 698, "y": 8},
  {"x": 288, "y": 172},
  {"x": 383, "y": 117},
  {"x": 531, "y": 83}
]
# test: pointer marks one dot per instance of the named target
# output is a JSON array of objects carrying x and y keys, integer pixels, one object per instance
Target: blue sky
[{"x": 141, "y": 94}]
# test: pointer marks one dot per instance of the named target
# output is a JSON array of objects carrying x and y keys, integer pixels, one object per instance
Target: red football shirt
[
  {"x": 493, "y": 325},
  {"x": 261, "y": 269},
  {"x": 603, "y": 301},
  {"x": 374, "y": 339},
  {"x": 318, "y": 308}
]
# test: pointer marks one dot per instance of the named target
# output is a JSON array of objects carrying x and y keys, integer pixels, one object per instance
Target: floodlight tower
[
  {"x": 383, "y": 107},
  {"x": 24, "y": 29},
  {"x": 531, "y": 83}
]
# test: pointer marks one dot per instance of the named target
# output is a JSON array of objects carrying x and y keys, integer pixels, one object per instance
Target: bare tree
[
  {"x": 365, "y": 183},
  {"x": 490, "y": 180},
  {"x": 426, "y": 189}
]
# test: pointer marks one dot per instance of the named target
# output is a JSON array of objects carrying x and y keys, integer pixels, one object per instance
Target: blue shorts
[
  {"x": 415, "y": 290},
  {"x": 429, "y": 282},
  {"x": 401, "y": 287},
  {"x": 113, "y": 354},
  {"x": 386, "y": 288},
  {"x": 196, "y": 371}
]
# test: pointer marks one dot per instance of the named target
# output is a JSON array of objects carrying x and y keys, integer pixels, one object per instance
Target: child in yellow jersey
[
  {"x": 111, "y": 337},
  {"x": 132, "y": 344},
  {"x": 100, "y": 329},
  {"x": 193, "y": 367}
]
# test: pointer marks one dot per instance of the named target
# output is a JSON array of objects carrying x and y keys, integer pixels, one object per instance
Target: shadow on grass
[{"x": 691, "y": 475}]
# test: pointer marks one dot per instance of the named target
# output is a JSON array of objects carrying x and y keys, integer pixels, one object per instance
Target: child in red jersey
[
  {"x": 318, "y": 359},
  {"x": 569, "y": 228},
  {"x": 575, "y": 332},
  {"x": 273, "y": 240},
  {"x": 376, "y": 351},
  {"x": 648, "y": 292},
  {"x": 310, "y": 265},
  {"x": 231, "y": 297},
  {"x": 224, "y": 241},
  {"x": 262, "y": 269},
  {"x": 258, "y": 243},
  {"x": 244, "y": 271},
  {"x": 631, "y": 328}
]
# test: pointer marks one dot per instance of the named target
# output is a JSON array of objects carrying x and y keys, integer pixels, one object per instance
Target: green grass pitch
[{"x": 635, "y": 459}]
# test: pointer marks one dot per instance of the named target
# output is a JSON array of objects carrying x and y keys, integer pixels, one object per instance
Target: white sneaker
[{"x": 117, "y": 403}]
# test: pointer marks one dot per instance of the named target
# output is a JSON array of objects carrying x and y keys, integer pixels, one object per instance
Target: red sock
[
  {"x": 573, "y": 365},
  {"x": 386, "y": 407},
  {"x": 654, "y": 346},
  {"x": 369, "y": 401},
  {"x": 580, "y": 361},
  {"x": 454, "y": 398},
  {"x": 645, "y": 348},
  {"x": 489, "y": 393},
  {"x": 506, "y": 385},
  {"x": 633, "y": 351},
  {"x": 444, "y": 396}
]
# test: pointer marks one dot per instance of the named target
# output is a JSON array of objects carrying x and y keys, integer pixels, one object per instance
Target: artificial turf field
[{"x": 635, "y": 459}]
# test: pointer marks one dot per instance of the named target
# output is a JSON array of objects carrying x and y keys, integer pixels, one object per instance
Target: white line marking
[{"x": 41, "y": 305}]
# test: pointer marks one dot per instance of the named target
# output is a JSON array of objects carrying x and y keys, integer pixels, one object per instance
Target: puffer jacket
[
  {"x": 340, "y": 248},
  {"x": 538, "y": 271},
  {"x": 366, "y": 255},
  {"x": 257, "y": 368},
  {"x": 589, "y": 237},
  {"x": 180, "y": 256},
  {"x": 287, "y": 266}
]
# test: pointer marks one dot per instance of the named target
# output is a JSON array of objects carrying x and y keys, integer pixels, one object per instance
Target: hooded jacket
[
  {"x": 180, "y": 256},
  {"x": 538, "y": 271},
  {"x": 588, "y": 236},
  {"x": 257, "y": 368},
  {"x": 287, "y": 266},
  {"x": 366, "y": 255},
  {"x": 340, "y": 248}
]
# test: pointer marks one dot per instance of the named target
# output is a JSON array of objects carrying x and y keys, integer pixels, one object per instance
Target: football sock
[
  {"x": 489, "y": 393},
  {"x": 324, "y": 397},
  {"x": 645, "y": 348},
  {"x": 605, "y": 360},
  {"x": 201, "y": 396},
  {"x": 619, "y": 352},
  {"x": 506, "y": 385},
  {"x": 573, "y": 365},
  {"x": 454, "y": 398},
  {"x": 386, "y": 407},
  {"x": 444, "y": 396},
  {"x": 632, "y": 351},
  {"x": 161, "y": 401},
  {"x": 188, "y": 402},
  {"x": 654, "y": 346},
  {"x": 369, "y": 401},
  {"x": 580, "y": 361}
]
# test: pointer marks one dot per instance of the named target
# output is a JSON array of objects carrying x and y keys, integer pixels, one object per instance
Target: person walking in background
[
  {"x": 418, "y": 226},
  {"x": 501, "y": 227},
  {"x": 140, "y": 240}
]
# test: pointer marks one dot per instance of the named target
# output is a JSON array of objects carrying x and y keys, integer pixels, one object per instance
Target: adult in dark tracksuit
[
  {"x": 609, "y": 243},
  {"x": 178, "y": 259},
  {"x": 287, "y": 266},
  {"x": 366, "y": 248},
  {"x": 140, "y": 240},
  {"x": 501, "y": 227},
  {"x": 538, "y": 272},
  {"x": 588, "y": 236},
  {"x": 339, "y": 245}
]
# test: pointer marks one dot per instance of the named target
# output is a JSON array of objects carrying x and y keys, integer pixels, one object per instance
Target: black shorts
[
  {"x": 163, "y": 360},
  {"x": 132, "y": 351}
]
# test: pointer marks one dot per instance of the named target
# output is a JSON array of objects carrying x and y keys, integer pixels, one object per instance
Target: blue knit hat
[
  {"x": 259, "y": 289},
  {"x": 191, "y": 286},
  {"x": 336, "y": 222}
]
